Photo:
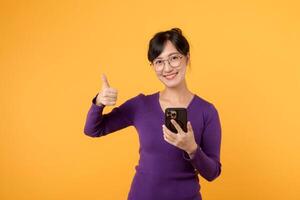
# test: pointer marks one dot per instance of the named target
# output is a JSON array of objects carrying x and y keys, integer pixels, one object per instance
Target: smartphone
[{"x": 179, "y": 115}]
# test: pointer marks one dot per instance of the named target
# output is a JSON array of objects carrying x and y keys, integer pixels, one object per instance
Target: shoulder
[
  {"x": 142, "y": 97},
  {"x": 208, "y": 107},
  {"x": 143, "y": 100},
  {"x": 137, "y": 103},
  {"x": 136, "y": 100}
]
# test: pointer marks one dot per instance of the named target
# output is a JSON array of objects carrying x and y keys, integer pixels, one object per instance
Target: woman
[{"x": 169, "y": 163}]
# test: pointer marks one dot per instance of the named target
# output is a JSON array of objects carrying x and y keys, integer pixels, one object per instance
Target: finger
[
  {"x": 169, "y": 133},
  {"x": 108, "y": 102},
  {"x": 178, "y": 128},
  {"x": 168, "y": 139},
  {"x": 168, "y": 130},
  {"x": 112, "y": 90},
  {"x": 109, "y": 98},
  {"x": 189, "y": 127},
  {"x": 109, "y": 94},
  {"x": 105, "y": 83}
]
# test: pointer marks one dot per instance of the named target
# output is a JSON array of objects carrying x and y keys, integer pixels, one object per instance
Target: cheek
[
  {"x": 182, "y": 72},
  {"x": 160, "y": 76}
]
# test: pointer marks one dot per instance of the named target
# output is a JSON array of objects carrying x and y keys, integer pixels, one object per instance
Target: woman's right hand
[{"x": 108, "y": 95}]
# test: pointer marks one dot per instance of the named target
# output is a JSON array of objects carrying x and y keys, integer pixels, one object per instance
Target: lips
[{"x": 170, "y": 76}]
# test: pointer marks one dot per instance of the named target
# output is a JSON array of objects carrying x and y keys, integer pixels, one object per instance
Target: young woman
[{"x": 169, "y": 163}]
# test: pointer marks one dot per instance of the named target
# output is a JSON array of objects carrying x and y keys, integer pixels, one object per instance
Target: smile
[{"x": 171, "y": 76}]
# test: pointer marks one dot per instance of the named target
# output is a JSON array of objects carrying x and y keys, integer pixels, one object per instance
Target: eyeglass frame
[{"x": 168, "y": 59}]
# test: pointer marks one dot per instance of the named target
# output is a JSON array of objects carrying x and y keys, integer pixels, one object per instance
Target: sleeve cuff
[
  {"x": 197, "y": 152},
  {"x": 94, "y": 105}
]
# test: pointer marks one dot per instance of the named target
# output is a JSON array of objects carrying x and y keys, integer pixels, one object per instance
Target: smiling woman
[
  {"x": 169, "y": 163},
  {"x": 173, "y": 47}
]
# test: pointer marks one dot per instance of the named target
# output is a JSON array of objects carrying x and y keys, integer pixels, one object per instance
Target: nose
[{"x": 167, "y": 66}]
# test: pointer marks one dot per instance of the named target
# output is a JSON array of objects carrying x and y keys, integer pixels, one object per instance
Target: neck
[{"x": 176, "y": 94}]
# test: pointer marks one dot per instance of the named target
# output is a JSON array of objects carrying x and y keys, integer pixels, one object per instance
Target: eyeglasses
[{"x": 174, "y": 61}]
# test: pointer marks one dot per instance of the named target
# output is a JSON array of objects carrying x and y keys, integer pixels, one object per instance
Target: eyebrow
[{"x": 168, "y": 54}]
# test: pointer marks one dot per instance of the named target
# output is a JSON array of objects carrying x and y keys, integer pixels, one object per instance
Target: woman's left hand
[{"x": 183, "y": 140}]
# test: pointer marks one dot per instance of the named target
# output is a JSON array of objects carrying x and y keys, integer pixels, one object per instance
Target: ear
[{"x": 188, "y": 59}]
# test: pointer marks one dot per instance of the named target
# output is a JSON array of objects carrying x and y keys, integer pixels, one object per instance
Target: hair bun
[{"x": 178, "y": 30}]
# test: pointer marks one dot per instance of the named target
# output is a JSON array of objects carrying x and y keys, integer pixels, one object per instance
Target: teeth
[{"x": 171, "y": 76}]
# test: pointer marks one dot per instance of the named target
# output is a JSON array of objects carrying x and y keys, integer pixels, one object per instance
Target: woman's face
[{"x": 171, "y": 76}]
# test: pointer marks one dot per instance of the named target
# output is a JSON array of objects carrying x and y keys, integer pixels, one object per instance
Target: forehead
[{"x": 169, "y": 49}]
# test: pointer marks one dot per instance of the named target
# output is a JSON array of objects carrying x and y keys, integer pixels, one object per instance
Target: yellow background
[{"x": 245, "y": 60}]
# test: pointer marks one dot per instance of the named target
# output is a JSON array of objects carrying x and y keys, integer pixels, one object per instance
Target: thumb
[{"x": 105, "y": 83}]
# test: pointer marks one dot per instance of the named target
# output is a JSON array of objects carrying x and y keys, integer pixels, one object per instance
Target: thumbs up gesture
[{"x": 108, "y": 95}]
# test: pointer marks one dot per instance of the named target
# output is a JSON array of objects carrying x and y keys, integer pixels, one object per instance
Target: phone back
[{"x": 179, "y": 115}]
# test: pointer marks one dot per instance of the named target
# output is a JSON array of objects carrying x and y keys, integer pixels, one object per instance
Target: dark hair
[{"x": 174, "y": 35}]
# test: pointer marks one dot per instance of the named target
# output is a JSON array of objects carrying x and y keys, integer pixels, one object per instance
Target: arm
[
  {"x": 98, "y": 124},
  {"x": 206, "y": 158}
]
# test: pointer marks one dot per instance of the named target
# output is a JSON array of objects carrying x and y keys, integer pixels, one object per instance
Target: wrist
[
  {"x": 97, "y": 101},
  {"x": 192, "y": 150}
]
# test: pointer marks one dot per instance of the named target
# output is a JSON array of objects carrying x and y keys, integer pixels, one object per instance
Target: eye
[
  {"x": 175, "y": 57},
  {"x": 158, "y": 62}
]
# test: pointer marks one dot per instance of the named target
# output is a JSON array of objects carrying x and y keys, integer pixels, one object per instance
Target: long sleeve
[
  {"x": 98, "y": 124},
  {"x": 206, "y": 159}
]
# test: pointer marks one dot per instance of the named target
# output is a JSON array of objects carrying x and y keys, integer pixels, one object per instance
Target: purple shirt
[{"x": 164, "y": 171}]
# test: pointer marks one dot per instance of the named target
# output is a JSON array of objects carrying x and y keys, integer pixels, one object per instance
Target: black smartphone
[{"x": 179, "y": 115}]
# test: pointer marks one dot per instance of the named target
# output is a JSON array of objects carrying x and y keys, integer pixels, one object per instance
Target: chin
[{"x": 171, "y": 83}]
